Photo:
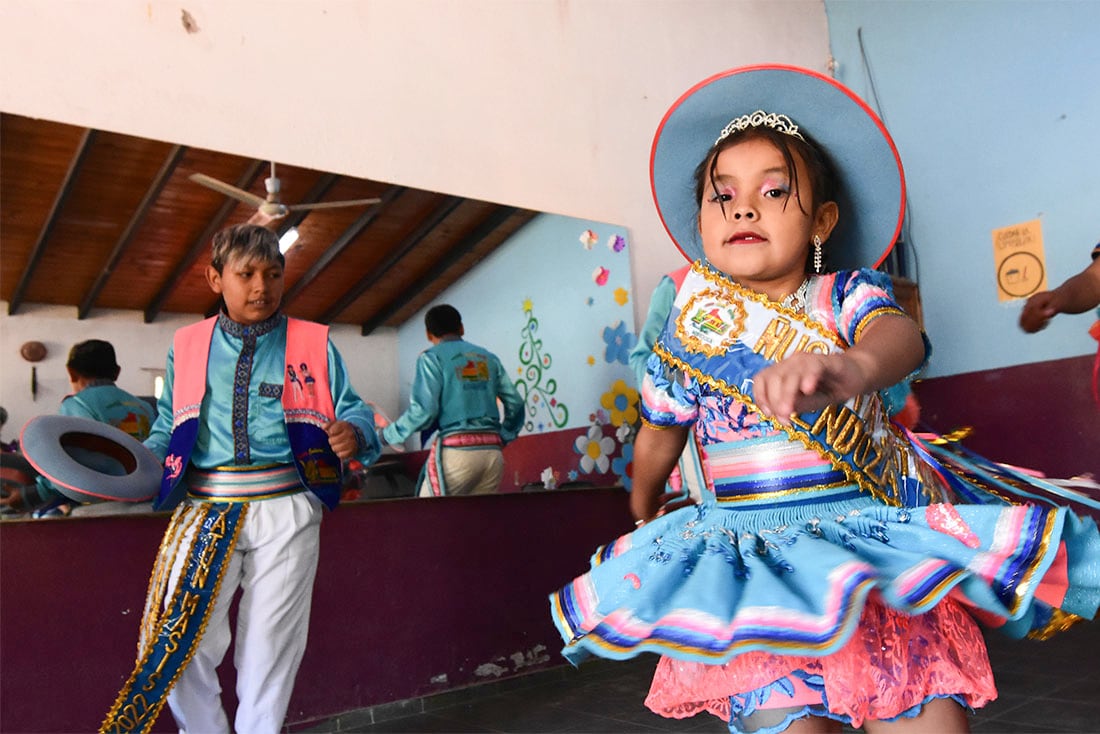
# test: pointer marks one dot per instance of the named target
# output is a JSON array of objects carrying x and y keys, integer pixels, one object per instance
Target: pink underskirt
[{"x": 893, "y": 662}]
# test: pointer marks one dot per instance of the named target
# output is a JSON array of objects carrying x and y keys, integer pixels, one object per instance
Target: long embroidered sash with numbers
[
  {"x": 721, "y": 335},
  {"x": 171, "y": 633}
]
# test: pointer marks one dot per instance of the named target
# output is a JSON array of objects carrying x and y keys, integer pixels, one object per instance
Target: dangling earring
[{"x": 817, "y": 254}]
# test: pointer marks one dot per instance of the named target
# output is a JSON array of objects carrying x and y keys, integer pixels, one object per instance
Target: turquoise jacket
[{"x": 455, "y": 390}]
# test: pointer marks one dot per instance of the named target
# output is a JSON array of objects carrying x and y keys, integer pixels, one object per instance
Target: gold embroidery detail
[
  {"x": 869, "y": 318},
  {"x": 722, "y": 281},
  {"x": 140, "y": 715},
  {"x": 1059, "y": 622},
  {"x": 710, "y": 322}
]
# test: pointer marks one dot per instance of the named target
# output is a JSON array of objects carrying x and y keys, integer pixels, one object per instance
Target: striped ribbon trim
[{"x": 236, "y": 484}]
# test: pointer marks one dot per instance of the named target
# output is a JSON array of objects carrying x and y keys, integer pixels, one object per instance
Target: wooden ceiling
[{"x": 96, "y": 219}]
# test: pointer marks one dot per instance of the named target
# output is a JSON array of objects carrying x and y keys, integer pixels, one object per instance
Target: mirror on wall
[{"x": 106, "y": 235}]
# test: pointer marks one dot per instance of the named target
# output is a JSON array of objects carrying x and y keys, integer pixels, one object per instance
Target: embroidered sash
[
  {"x": 169, "y": 637},
  {"x": 722, "y": 334}
]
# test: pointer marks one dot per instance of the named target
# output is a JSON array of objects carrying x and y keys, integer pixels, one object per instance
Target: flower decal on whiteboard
[
  {"x": 619, "y": 342},
  {"x": 600, "y": 275},
  {"x": 616, "y": 243},
  {"x": 623, "y": 467},
  {"x": 621, "y": 402},
  {"x": 589, "y": 239},
  {"x": 595, "y": 450}
]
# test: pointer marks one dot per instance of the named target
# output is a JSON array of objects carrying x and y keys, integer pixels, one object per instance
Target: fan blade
[
  {"x": 332, "y": 204},
  {"x": 230, "y": 191}
]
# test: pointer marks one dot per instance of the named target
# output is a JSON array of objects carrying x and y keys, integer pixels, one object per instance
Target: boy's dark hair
[
  {"x": 443, "y": 320},
  {"x": 249, "y": 241},
  {"x": 94, "y": 359}
]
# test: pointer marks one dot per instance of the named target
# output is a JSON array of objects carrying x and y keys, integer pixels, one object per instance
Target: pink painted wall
[
  {"x": 1040, "y": 416},
  {"x": 407, "y": 592}
]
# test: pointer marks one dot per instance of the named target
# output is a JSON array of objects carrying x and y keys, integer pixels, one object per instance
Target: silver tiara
[{"x": 777, "y": 122}]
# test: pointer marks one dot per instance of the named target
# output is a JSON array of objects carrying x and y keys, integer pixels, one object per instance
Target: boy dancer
[
  {"x": 249, "y": 463},
  {"x": 456, "y": 393}
]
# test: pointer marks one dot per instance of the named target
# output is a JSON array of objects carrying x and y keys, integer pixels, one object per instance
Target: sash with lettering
[
  {"x": 172, "y": 626},
  {"x": 722, "y": 334}
]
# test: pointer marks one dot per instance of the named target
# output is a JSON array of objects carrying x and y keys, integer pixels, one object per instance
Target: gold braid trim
[
  {"x": 869, "y": 318},
  {"x": 1059, "y": 622},
  {"x": 722, "y": 281},
  {"x": 174, "y": 530}
]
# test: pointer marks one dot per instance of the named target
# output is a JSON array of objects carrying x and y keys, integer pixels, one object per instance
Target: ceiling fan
[{"x": 272, "y": 207}]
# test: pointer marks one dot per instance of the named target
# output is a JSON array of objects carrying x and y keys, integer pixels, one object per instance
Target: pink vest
[{"x": 305, "y": 412}]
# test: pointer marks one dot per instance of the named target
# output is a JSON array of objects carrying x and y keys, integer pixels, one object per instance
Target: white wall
[
  {"x": 544, "y": 104},
  {"x": 140, "y": 347},
  {"x": 994, "y": 107}
]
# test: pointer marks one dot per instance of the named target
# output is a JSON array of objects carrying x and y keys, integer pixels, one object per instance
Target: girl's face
[
  {"x": 252, "y": 289},
  {"x": 752, "y": 223}
]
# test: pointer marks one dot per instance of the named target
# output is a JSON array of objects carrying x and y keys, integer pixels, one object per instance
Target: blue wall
[
  {"x": 541, "y": 286},
  {"x": 995, "y": 108}
]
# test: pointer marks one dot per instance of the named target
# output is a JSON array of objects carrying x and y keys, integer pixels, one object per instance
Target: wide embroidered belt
[
  {"x": 771, "y": 471},
  {"x": 244, "y": 484},
  {"x": 471, "y": 440}
]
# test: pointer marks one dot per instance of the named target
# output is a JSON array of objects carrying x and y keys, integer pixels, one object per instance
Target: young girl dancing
[{"x": 834, "y": 569}]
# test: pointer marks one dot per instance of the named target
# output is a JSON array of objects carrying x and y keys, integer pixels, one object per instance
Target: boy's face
[{"x": 252, "y": 289}]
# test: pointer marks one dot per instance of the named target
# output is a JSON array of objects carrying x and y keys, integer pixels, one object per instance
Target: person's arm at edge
[
  {"x": 660, "y": 305},
  {"x": 656, "y": 452},
  {"x": 1077, "y": 294}
]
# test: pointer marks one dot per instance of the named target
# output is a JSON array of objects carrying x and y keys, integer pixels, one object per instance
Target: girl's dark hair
[
  {"x": 443, "y": 320},
  {"x": 249, "y": 241},
  {"x": 823, "y": 181},
  {"x": 822, "y": 176},
  {"x": 94, "y": 359}
]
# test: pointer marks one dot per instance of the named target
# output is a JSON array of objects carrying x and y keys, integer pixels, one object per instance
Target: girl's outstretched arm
[
  {"x": 888, "y": 350},
  {"x": 656, "y": 452}
]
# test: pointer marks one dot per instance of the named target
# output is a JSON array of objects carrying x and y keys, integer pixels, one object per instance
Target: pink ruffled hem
[{"x": 893, "y": 662}]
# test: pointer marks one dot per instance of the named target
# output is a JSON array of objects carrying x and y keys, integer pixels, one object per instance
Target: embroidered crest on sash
[{"x": 710, "y": 322}]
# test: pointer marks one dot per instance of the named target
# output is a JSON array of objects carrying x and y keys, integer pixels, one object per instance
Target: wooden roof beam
[
  {"x": 159, "y": 181},
  {"x": 433, "y": 220},
  {"x": 75, "y": 164},
  {"x": 466, "y": 245},
  {"x": 346, "y": 238}
]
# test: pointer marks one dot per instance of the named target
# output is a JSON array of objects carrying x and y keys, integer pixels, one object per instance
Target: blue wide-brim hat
[
  {"x": 89, "y": 461},
  {"x": 870, "y": 181}
]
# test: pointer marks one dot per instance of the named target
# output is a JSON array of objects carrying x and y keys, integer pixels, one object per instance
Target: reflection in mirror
[
  {"x": 106, "y": 235},
  {"x": 555, "y": 305}
]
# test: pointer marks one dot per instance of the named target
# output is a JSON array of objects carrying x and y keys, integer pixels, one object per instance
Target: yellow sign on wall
[{"x": 1019, "y": 260}]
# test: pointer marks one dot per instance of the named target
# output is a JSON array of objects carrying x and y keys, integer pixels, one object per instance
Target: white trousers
[
  {"x": 468, "y": 471},
  {"x": 274, "y": 563}
]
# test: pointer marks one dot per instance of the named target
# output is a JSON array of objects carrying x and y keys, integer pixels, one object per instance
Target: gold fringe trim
[{"x": 1059, "y": 622}]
